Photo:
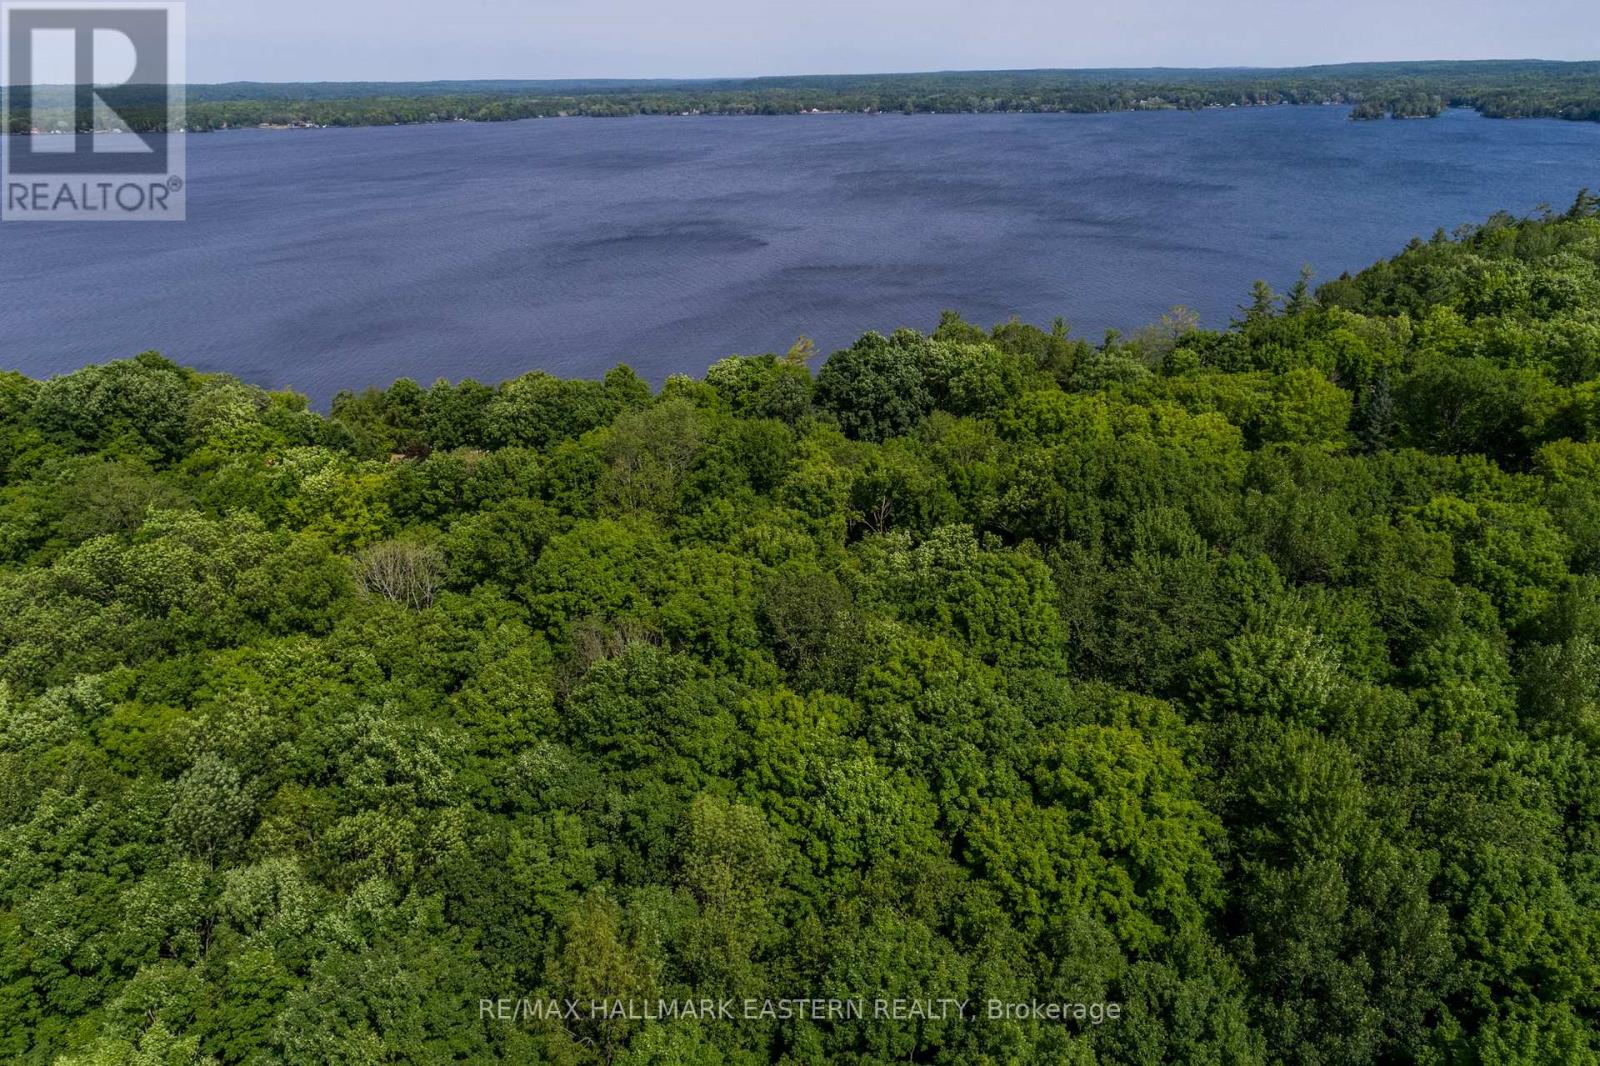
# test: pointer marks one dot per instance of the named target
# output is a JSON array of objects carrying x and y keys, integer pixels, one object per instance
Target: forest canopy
[{"x": 1246, "y": 679}]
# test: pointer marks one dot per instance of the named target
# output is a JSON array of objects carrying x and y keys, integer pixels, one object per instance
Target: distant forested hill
[
  {"x": 1498, "y": 88},
  {"x": 1248, "y": 681}
]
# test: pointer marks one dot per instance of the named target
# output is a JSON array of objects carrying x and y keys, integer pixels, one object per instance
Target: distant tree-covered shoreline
[{"x": 1499, "y": 89}]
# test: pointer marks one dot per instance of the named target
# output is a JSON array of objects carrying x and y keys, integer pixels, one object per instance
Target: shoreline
[{"x": 1062, "y": 113}]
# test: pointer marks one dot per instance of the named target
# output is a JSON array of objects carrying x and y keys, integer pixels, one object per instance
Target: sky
[{"x": 413, "y": 40}]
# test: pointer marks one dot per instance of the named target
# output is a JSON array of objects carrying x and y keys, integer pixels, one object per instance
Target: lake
[{"x": 330, "y": 259}]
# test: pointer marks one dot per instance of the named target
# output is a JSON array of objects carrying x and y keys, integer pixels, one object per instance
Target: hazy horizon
[
  {"x": 870, "y": 73},
  {"x": 407, "y": 40}
]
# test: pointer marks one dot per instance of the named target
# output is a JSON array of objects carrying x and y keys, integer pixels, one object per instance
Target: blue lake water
[{"x": 329, "y": 259}]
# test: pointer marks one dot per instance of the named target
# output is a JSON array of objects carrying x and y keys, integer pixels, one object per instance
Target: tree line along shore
[{"x": 1498, "y": 89}]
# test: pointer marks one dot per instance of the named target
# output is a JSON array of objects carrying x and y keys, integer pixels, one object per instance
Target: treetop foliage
[{"x": 1247, "y": 678}]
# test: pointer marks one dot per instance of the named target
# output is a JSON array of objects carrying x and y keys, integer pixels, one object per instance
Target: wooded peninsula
[{"x": 1237, "y": 689}]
